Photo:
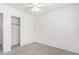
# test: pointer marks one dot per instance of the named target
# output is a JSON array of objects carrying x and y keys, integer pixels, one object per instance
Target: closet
[
  {"x": 15, "y": 31},
  {"x": 1, "y": 31}
]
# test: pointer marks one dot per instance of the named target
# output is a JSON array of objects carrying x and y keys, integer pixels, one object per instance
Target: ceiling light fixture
[{"x": 36, "y": 8}]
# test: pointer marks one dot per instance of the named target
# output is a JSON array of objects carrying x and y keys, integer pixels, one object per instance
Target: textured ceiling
[{"x": 46, "y": 7}]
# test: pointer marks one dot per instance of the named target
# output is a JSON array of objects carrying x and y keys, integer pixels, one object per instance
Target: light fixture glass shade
[{"x": 36, "y": 9}]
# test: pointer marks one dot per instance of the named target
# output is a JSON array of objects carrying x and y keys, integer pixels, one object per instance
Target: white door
[{"x": 15, "y": 31}]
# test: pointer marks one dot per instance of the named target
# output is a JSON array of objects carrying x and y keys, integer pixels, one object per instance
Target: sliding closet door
[
  {"x": 1, "y": 29},
  {"x": 15, "y": 31}
]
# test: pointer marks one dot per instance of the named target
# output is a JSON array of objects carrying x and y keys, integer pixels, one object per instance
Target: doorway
[
  {"x": 1, "y": 33},
  {"x": 15, "y": 42}
]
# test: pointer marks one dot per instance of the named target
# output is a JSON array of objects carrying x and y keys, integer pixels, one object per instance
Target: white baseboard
[{"x": 60, "y": 47}]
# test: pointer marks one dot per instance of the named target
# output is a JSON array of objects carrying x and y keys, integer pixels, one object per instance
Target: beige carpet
[
  {"x": 39, "y": 49},
  {"x": 1, "y": 50}
]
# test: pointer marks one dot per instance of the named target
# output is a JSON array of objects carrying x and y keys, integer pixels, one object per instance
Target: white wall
[
  {"x": 26, "y": 26},
  {"x": 59, "y": 28}
]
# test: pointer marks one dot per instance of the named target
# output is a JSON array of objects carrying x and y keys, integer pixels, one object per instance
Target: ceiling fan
[{"x": 35, "y": 7}]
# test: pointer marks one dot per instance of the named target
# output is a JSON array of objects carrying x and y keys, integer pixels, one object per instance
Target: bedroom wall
[{"x": 59, "y": 28}]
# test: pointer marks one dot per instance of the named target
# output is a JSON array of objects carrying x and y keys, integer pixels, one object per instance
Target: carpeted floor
[
  {"x": 1, "y": 50},
  {"x": 38, "y": 49}
]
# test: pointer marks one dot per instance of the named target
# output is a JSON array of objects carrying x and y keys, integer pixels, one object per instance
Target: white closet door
[{"x": 15, "y": 31}]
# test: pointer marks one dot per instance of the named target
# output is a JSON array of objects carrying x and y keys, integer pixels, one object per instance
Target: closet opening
[
  {"x": 15, "y": 41},
  {"x": 1, "y": 33}
]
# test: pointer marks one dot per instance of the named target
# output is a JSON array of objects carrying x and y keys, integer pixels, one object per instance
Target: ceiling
[{"x": 45, "y": 7}]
